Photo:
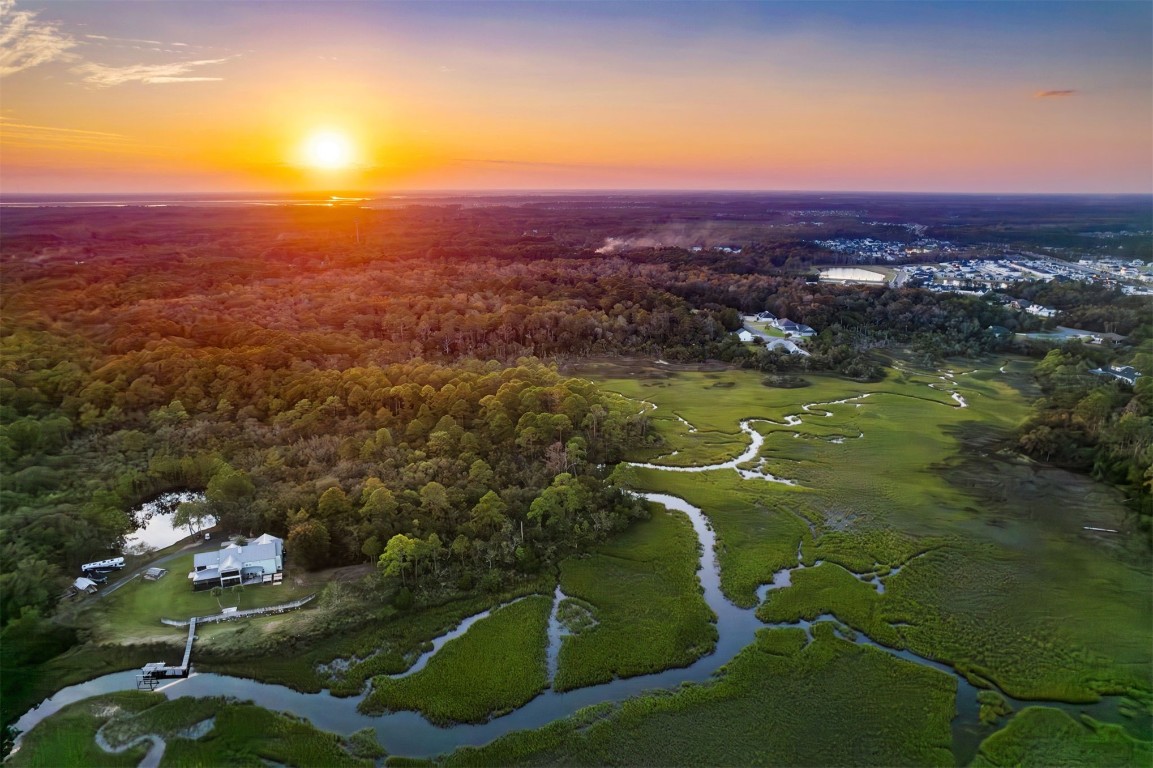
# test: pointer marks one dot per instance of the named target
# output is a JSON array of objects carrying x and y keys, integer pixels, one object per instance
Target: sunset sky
[{"x": 227, "y": 96}]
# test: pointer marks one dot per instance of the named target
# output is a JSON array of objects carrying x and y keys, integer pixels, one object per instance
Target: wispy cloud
[
  {"x": 26, "y": 42},
  {"x": 537, "y": 164},
  {"x": 103, "y": 76},
  {"x": 1055, "y": 94},
  {"x": 125, "y": 40},
  {"x": 17, "y": 134}
]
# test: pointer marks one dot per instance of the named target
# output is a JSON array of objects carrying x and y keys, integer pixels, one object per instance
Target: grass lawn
[
  {"x": 646, "y": 601},
  {"x": 769, "y": 330},
  {"x": 778, "y": 702},
  {"x": 133, "y": 612},
  {"x": 496, "y": 666}
]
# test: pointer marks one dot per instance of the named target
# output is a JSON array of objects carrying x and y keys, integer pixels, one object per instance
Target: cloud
[
  {"x": 103, "y": 76},
  {"x": 1055, "y": 94},
  {"x": 18, "y": 134},
  {"x": 25, "y": 42},
  {"x": 538, "y": 164},
  {"x": 126, "y": 40}
]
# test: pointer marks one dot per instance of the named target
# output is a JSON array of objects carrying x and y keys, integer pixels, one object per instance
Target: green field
[
  {"x": 132, "y": 613},
  {"x": 646, "y": 602},
  {"x": 496, "y": 666},
  {"x": 778, "y": 702}
]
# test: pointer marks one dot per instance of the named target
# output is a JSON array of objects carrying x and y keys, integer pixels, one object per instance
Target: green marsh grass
[
  {"x": 1001, "y": 587},
  {"x": 779, "y": 702},
  {"x": 1047, "y": 738},
  {"x": 387, "y": 642},
  {"x": 248, "y": 735},
  {"x": 67, "y": 738},
  {"x": 647, "y": 604},
  {"x": 831, "y": 589},
  {"x": 496, "y": 666}
]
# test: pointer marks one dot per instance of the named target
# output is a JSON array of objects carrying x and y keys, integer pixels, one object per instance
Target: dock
[{"x": 153, "y": 673}]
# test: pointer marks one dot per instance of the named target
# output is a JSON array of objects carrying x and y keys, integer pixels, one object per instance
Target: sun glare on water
[{"x": 327, "y": 150}]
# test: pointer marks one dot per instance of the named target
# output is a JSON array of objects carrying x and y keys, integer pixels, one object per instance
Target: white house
[
  {"x": 795, "y": 329},
  {"x": 745, "y": 336},
  {"x": 1040, "y": 311},
  {"x": 261, "y": 561},
  {"x": 778, "y": 345}
]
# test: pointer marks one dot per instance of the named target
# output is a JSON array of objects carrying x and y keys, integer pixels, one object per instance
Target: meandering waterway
[{"x": 410, "y": 734}]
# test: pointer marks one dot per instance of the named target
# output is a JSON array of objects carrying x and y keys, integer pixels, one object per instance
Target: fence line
[{"x": 269, "y": 610}]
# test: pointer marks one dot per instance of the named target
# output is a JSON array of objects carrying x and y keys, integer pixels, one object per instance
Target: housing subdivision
[{"x": 980, "y": 276}]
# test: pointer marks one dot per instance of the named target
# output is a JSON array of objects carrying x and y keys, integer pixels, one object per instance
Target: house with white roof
[
  {"x": 260, "y": 561},
  {"x": 784, "y": 345},
  {"x": 794, "y": 329}
]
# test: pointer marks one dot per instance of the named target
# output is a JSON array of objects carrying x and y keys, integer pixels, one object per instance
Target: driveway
[{"x": 198, "y": 545}]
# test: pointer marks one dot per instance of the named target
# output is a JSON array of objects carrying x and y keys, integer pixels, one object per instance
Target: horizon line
[{"x": 364, "y": 195}]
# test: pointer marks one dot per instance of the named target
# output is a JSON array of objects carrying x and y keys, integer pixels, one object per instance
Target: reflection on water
[{"x": 156, "y": 529}]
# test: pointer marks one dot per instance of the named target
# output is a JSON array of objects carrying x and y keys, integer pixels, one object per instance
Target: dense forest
[{"x": 385, "y": 383}]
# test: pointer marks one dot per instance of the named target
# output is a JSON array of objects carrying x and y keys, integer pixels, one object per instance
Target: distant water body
[{"x": 197, "y": 201}]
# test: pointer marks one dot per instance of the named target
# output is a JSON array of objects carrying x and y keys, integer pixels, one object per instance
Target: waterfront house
[{"x": 261, "y": 561}]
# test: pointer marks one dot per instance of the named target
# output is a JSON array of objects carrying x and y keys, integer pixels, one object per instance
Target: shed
[
  {"x": 84, "y": 585},
  {"x": 154, "y": 574}
]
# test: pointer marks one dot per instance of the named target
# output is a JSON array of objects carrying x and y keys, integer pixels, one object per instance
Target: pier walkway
[{"x": 153, "y": 673}]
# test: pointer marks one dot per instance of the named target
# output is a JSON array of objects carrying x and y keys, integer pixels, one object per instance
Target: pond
[{"x": 156, "y": 529}]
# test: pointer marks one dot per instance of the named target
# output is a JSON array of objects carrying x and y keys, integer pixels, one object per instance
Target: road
[
  {"x": 756, "y": 331},
  {"x": 198, "y": 545}
]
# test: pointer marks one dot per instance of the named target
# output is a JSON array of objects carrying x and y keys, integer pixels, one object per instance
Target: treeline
[
  {"x": 1095, "y": 423},
  {"x": 1092, "y": 306},
  {"x": 273, "y": 360},
  {"x": 337, "y": 461}
]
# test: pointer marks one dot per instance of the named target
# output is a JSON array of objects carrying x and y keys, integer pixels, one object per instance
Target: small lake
[{"x": 154, "y": 517}]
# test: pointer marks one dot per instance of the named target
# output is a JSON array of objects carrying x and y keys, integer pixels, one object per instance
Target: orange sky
[{"x": 218, "y": 97}]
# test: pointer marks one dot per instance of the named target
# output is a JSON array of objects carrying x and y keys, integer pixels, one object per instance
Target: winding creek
[{"x": 409, "y": 734}]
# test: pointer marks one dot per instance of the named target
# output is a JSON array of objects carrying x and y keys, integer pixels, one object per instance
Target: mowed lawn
[{"x": 133, "y": 612}]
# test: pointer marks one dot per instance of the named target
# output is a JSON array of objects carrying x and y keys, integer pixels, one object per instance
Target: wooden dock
[{"x": 152, "y": 674}]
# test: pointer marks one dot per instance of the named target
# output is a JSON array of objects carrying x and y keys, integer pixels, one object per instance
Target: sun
[{"x": 327, "y": 150}]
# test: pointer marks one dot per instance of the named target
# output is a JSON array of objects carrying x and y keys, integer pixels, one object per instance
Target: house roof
[
  {"x": 786, "y": 345},
  {"x": 267, "y": 547},
  {"x": 208, "y": 574},
  {"x": 83, "y": 583}
]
